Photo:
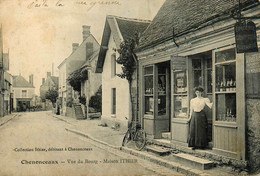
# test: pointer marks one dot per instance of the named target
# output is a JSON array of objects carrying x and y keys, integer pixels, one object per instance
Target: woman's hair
[{"x": 198, "y": 89}]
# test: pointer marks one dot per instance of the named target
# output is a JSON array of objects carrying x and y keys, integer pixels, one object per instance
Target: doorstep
[{"x": 201, "y": 153}]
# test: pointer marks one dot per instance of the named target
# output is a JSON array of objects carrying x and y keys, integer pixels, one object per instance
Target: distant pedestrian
[
  {"x": 198, "y": 121},
  {"x": 58, "y": 106}
]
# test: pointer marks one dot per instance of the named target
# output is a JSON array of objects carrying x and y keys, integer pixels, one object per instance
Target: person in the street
[
  {"x": 198, "y": 121},
  {"x": 58, "y": 106}
]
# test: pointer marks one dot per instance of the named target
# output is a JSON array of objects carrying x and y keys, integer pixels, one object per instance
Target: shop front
[
  {"x": 168, "y": 86},
  {"x": 155, "y": 97}
]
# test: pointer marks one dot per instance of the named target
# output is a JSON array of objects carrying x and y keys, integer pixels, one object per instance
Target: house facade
[
  {"x": 80, "y": 54},
  {"x": 23, "y": 92},
  {"x": 187, "y": 45},
  {"x": 50, "y": 83},
  {"x": 8, "y": 93},
  {"x": 5, "y": 81},
  {"x": 116, "y": 107},
  {"x": 88, "y": 81}
]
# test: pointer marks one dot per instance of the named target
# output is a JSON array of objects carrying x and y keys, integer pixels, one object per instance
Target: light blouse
[{"x": 198, "y": 104}]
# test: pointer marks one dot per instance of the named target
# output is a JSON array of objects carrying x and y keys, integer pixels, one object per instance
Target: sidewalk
[
  {"x": 92, "y": 130},
  {"x": 113, "y": 138},
  {"x": 7, "y": 118}
]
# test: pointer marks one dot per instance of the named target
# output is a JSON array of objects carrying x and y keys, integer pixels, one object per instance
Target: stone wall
[{"x": 253, "y": 134}]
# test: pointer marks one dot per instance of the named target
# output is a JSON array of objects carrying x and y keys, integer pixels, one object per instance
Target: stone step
[
  {"x": 166, "y": 135},
  {"x": 157, "y": 149},
  {"x": 196, "y": 162}
]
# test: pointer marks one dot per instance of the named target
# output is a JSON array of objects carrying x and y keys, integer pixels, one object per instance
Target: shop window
[
  {"x": 225, "y": 86},
  {"x": 180, "y": 96},
  {"x": 113, "y": 101},
  {"x": 209, "y": 76},
  {"x": 161, "y": 90},
  {"x": 197, "y": 72},
  {"x": 149, "y": 90}
]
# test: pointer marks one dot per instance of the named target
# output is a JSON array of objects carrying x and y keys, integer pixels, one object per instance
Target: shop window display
[
  {"x": 180, "y": 96},
  {"x": 225, "y": 86}
]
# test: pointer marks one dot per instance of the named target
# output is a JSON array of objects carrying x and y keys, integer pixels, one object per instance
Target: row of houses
[
  {"x": 16, "y": 93},
  {"x": 187, "y": 44}
]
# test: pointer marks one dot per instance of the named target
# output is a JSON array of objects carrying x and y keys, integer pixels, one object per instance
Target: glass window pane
[
  {"x": 196, "y": 63},
  {"x": 225, "y": 55},
  {"x": 148, "y": 84},
  {"x": 161, "y": 70},
  {"x": 197, "y": 78},
  {"x": 149, "y": 105},
  {"x": 209, "y": 81},
  {"x": 180, "y": 85},
  {"x": 161, "y": 84},
  {"x": 180, "y": 106},
  {"x": 161, "y": 105},
  {"x": 226, "y": 77},
  {"x": 226, "y": 107},
  {"x": 209, "y": 63},
  {"x": 148, "y": 70}
]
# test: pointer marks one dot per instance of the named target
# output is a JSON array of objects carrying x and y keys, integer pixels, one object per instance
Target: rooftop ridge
[{"x": 130, "y": 19}]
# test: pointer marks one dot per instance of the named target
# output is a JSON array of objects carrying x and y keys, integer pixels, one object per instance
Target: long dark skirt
[{"x": 198, "y": 130}]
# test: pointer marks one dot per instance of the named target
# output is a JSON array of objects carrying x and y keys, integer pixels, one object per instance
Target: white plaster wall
[{"x": 121, "y": 85}]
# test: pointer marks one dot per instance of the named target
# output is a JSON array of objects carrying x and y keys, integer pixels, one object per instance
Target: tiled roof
[
  {"x": 130, "y": 27},
  {"x": 184, "y": 15},
  {"x": 127, "y": 27},
  {"x": 19, "y": 81}
]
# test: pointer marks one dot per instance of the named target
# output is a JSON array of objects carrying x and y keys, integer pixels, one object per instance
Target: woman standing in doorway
[{"x": 198, "y": 120}]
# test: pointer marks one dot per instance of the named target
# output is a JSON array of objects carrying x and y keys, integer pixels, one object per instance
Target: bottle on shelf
[
  {"x": 231, "y": 85},
  {"x": 228, "y": 86},
  {"x": 234, "y": 86},
  {"x": 224, "y": 85},
  {"x": 217, "y": 87},
  {"x": 221, "y": 86}
]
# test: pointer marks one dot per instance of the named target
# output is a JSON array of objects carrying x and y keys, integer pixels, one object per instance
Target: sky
[{"x": 38, "y": 33}]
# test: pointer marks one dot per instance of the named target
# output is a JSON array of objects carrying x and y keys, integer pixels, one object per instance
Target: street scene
[
  {"x": 140, "y": 87},
  {"x": 44, "y": 139}
]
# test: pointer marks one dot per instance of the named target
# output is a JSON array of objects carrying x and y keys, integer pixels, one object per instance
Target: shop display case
[{"x": 225, "y": 86}]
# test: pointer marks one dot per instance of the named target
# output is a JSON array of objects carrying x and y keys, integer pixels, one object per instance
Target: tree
[
  {"x": 127, "y": 59},
  {"x": 52, "y": 95}
]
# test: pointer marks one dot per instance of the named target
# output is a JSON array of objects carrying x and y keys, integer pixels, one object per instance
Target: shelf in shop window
[
  {"x": 175, "y": 94},
  {"x": 148, "y": 75},
  {"x": 148, "y": 95},
  {"x": 161, "y": 94},
  {"x": 225, "y": 92},
  {"x": 225, "y": 62}
]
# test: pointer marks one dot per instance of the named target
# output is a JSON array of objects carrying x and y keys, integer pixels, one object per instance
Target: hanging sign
[{"x": 245, "y": 36}]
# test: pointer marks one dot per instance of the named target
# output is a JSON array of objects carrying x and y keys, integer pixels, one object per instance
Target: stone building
[
  {"x": 79, "y": 56},
  {"x": 23, "y": 92},
  {"x": 51, "y": 82}
]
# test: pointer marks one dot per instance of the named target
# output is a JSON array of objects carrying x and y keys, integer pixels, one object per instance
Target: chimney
[
  {"x": 85, "y": 32},
  {"x": 43, "y": 81},
  {"x": 48, "y": 74},
  {"x": 31, "y": 79},
  {"x": 74, "y": 46}
]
